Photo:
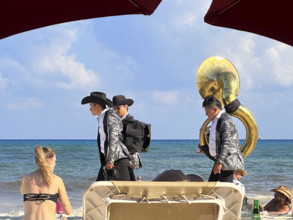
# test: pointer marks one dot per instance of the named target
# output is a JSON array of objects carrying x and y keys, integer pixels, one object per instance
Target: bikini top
[{"x": 40, "y": 197}]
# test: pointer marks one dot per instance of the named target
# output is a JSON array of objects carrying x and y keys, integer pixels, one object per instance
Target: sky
[{"x": 153, "y": 60}]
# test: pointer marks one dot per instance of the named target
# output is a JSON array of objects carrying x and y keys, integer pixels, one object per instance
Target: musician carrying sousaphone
[{"x": 218, "y": 84}]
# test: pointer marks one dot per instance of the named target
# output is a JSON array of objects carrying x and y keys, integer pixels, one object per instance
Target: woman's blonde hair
[{"x": 42, "y": 154}]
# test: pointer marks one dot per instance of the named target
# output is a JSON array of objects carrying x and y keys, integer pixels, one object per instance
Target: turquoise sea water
[{"x": 268, "y": 166}]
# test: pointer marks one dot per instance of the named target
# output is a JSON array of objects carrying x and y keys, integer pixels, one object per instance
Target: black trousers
[
  {"x": 125, "y": 172},
  {"x": 224, "y": 176},
  {"x": 131, "y": 174}
]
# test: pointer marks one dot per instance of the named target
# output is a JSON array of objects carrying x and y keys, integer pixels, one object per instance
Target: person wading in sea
[{"x": 42, "y": 188}]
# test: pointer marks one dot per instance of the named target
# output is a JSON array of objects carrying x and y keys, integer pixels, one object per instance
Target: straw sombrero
[
  {"x": 284, "y": 190},
  {"x": 242, "y": 171}
]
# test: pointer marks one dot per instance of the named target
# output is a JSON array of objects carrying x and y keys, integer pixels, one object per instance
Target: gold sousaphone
[{"x": 218, "y": 77}]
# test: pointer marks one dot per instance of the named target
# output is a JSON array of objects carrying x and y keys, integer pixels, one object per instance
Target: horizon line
[{"x": 81, "y": 139}]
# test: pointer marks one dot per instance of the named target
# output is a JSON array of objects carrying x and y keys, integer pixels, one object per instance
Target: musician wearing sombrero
[
  {"x": 121, "y": 105},
  {"x": 280, "y": 203},
  {"x": 113, "y": 153}
]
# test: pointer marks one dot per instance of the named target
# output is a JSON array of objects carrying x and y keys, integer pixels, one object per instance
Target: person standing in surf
[
  {"x": 42, "y": 188},
  {"x": 223, "y": 146},
  {"x": 113, "y": 153}
]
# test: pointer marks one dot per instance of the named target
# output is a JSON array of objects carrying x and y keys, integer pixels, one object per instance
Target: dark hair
[
  {"x": 171, "y": 176},
  {"x": 194, "y": 178},
  {"x": 211, "y": 102}
]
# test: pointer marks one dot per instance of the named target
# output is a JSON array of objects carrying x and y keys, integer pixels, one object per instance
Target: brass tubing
[
  {"x": 245, "y": 116},
  {"x": 202, "y": 131}
]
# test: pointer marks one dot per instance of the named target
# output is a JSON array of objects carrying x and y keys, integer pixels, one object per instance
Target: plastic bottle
[{"x": 59, "y": 208}]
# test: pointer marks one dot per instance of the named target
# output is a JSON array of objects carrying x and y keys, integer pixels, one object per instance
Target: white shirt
[
  {"x": 238, "y": 183},
  {"x": 212, "y": 139},
  {"x": 101, "y": 130},
  {"x": 124, "y": 116}
]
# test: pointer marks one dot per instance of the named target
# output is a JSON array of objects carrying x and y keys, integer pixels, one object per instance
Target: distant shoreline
[{"x": 262, "y": 139}]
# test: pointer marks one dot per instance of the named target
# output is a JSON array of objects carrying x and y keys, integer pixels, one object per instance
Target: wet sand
[
  {"x": 244, "y": 216},
  {"x": 21, "y": 217},
  {"x": 266, "y": 217}
]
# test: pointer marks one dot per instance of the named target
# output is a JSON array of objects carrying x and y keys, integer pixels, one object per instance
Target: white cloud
[
  {"x": 14, "y": 64},
  {"x": 180, "y": 1},
  {"x": 186, "y": 20},
  {"x": 14, "y": 73},
  {"x": 76, "y": 74},
  {"x": 3, "y": 81},
  {"x": 195, "y": 6},
  {"x": 280, "y": 57},
  {"x": 259, "y": 61},
  {"x": 272, "y": 53},
  {"x": 25, "y": 105},
  {"x": 55, "y": 58},
  {"x": 166, "y": 97},
  {"x": 246, "y": 43},
  {"x": 49, "y": 62},
  {"x": 180, "y": 22}
]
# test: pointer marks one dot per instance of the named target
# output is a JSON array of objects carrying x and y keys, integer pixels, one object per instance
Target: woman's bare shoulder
[
  {"x": 58, "y": 179},
  {"x": 29, "y": 175}
]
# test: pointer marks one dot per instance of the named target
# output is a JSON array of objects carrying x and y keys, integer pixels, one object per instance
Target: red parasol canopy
[
  {"x": 19, "y": 16},
  {"x": 264, "y": 17}
]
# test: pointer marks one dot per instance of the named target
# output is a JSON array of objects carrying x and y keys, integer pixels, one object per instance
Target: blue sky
[{"x": 45, "y": 73}]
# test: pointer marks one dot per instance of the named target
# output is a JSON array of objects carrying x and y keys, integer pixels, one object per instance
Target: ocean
[{"x": 268, "y": 166}]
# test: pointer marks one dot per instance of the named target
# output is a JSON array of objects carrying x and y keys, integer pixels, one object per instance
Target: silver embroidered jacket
[
  {"x": 227, "y": 144},
  {"x": 115, "y": 149}
]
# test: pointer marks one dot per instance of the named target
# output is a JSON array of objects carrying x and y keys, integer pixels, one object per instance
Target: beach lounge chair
[{"x": 161, "y": 201}]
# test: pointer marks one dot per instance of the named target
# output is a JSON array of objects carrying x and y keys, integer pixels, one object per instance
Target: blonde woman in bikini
[{"x": 42, "y": 188}]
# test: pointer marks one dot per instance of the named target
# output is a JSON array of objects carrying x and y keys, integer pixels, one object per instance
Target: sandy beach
[
  {"x": 244, "y": 216},
  {"x": 265, "y": 216}
]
